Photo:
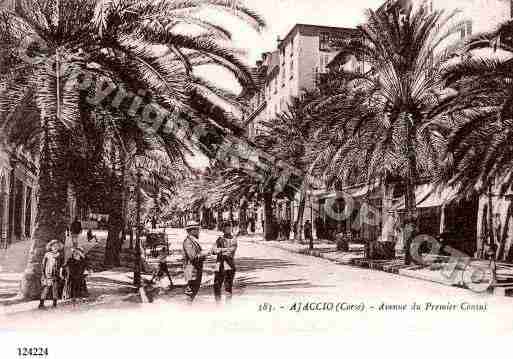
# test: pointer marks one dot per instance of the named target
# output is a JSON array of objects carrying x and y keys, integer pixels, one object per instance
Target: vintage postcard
[{"x": 241, "y": 168}]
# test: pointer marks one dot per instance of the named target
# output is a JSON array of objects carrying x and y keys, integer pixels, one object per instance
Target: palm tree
[
  {"x": 113, "y": 39},
  {"x": 478, "y": 119},
  {"x": 288, "y": 138},
  {"x": 479, "y": 114},
  {"x": 388, "y": 133}
]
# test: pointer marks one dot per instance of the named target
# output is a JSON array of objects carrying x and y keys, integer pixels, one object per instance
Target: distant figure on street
[
  {"x": 193, "y": 257},
  {"x": 252, "y": 224},
  {"x": 76, "y": 229},
  {"x": 163, "y": 269},
  {"x": 288, "y": 229},
  {"x": 75, "y": 275},
  {"x": 308, "y": 231},
  {"x": 51, "y": 270},
  {"x": 319, "y": 227},
  {"x": 225, "y": 248},
  {"x": 91, "y": 236}
]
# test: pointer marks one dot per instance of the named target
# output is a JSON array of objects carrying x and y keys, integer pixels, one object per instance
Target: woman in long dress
[{"x": 75, "y": 274}]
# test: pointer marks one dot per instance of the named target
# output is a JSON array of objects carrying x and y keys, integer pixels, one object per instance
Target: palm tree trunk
[
  {"x": 410, "y": 200},
  {"x": 268, "y": 214},
  {"x": 243, "y": 218},
  {"x": 113, "y": 245},
  {"x": 123, "y": 196},
  {"x": 298, "y": 235},
  {"x": 219, "y": 218},
  {"x": 131, "y": 236},
  {"x": 51, "y": 211},
  {"x": 387, "y": 220}
]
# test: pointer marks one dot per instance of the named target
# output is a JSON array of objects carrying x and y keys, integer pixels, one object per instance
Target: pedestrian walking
[
  {"x": 51, "y": 272},
  {"x": 163, "y": 269},
  {"x": 193, "y": 257},
  {"x": 224, "y": 271},
  {"x": 75, "y": 271},
  {"x": 76, "y": 229}
]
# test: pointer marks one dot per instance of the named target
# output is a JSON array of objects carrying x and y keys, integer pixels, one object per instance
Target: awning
[
  {"x": 355, "y": 192},
  {"x": 427, "y": 195}
]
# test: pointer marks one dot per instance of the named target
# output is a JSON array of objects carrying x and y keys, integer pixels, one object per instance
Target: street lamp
[
  {"x": 3, "y": 196},
  {"x": 139, "y": 161}
]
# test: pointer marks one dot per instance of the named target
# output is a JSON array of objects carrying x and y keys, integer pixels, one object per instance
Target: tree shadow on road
[
  {"x": 251, "y": 282},
  {"x": 247, "y": 264}
]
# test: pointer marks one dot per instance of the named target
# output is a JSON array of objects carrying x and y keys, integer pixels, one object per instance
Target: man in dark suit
[
  {"x": 225, "y": 248},
  {"x": 193, "y": 258}
]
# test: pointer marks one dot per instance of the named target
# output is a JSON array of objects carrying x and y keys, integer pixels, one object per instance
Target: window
[
  {"x": 324, "y": 41},
  {"x": 283, "y": 77},
  {"x": 324, "y": 60},
  {"x": 292, "y": 47},
  {"x": 291, "y": 68}
]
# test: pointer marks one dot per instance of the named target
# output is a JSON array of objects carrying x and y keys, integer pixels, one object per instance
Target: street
[{"x": 283, "y": 292}]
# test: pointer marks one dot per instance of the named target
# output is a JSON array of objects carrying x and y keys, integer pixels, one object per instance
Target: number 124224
[{"x": 32, "y": 351}]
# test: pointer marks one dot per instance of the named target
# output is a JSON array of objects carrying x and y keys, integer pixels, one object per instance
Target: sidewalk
[
  {"x": 355, "y": 257},
  {"x": 108, "y": 287}
]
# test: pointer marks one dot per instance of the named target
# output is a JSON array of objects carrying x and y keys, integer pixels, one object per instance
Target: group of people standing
[
  {"x": 63, "y": 277},
  {"x": 66, "y": 277},
  {"x": 194, "y": 257}
]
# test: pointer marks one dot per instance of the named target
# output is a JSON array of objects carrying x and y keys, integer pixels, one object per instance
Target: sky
[{"x": 280, "y": 16}]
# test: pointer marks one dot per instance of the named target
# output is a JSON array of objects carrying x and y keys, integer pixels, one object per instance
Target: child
[
  {"x": 75, "y": 269},
  {"x": 163, "y": 269},
  {"x": 51, "y": 266}
]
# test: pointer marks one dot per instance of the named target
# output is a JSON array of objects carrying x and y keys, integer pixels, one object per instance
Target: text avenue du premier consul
[{"x": 323, "y": 306}]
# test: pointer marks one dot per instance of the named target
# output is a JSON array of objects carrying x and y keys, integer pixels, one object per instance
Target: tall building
[{"x": 294, "y": 66}]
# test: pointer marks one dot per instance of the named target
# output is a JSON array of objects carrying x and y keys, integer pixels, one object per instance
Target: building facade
[
  {"x": 294, "y": 66},
  {"x": 18, "y": 197}
]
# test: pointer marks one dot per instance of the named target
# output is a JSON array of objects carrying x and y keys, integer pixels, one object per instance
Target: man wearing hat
[
  {"x": 193, "y": 258},
  {"x": 50, "y": 276},
  {"x": 225, "y": 248}
]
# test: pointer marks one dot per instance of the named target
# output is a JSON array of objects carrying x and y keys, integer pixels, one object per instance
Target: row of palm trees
[
  {"x": 423, "y": 106},
  {"x": 74, "y": 125}
]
